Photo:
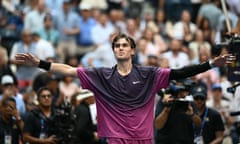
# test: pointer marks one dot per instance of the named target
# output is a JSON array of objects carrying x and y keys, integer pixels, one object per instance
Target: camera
[
  {"x": 232, "y": 43},
  {"x": 178, "y": 90},
  {"x": 63, "y": 122}
]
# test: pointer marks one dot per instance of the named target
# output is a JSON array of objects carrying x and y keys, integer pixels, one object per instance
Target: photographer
[
  {"x": 212, "y": 127},
  {"x": 174, "y": 116},
  {"x": 38, "y": 127}
]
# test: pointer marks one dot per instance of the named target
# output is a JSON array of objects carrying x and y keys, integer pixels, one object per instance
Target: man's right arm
[
  {"x": 31, "y": 60},
  {"x": 28, "y": 138},
  {"x": 162, "y": 118}
]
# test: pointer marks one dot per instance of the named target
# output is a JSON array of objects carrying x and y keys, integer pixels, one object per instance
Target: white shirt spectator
[
  {"x": 178, "y": 30},
  {"x": 44, "y": 49},
  {"x": 178, "y": 61},
  {"x": 100, "y": 34}
]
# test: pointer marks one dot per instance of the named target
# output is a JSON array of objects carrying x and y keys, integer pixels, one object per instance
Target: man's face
[
  {"x": 199, "y": 102},
  {"x": 45, "y": 98},
  {"x": 122, "y": 50},
  {"x": 9, "y": 108}
]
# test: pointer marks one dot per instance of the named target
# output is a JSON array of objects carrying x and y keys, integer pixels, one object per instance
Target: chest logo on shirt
[{"x": 135, "y": 82}]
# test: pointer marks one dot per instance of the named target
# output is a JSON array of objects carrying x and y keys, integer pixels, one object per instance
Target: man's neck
[
  {"x": 46, "y": 111},
  {"x": 124, "y": 68},
  {"x": 202, "y": 110}
]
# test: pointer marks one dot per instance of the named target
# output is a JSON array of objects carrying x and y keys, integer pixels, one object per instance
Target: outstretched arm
[
  {"x": 196, "y": 69},
  {"x": 30, "y": 60}
]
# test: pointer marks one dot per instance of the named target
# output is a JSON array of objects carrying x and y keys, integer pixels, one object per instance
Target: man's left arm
[
  {"x": 196, "y": 69},
  {"x": 219, "y": 137}
]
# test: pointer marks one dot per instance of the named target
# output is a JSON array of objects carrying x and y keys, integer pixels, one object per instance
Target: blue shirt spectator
[
  {"x": 84, "y": 38},
  {"x": 66, "y": 21}
]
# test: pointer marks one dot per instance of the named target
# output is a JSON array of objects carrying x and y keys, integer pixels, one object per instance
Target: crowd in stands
[{"x": 168, "y": 33}]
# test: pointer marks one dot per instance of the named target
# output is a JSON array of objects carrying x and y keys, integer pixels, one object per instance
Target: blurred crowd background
[{"x": 168, "y": 34}]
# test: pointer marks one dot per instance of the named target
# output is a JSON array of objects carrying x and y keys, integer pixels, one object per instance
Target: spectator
[
  {"x": 209, "y": 33},
  {"x": 220, "y": 104},
  {"x": 9, "y": 89},
  {"x": 102, "y": 30},
  {"x": 173, "y": 114},
  {"x": 212, "y": 127},
  {"x": 155, "y": 44},
  {"x": 54, "y": 6},
  {"x": 48, "y": 32},
  {"x": 185, "y": 23},
  {"x": 11, "y": 124},
  {"x": 67, "y": 24},
  {"x": 175, "y": 56},
  {"x": 85, "y": 131},
  {"x": 211, "y": 11},
  {"x": 86, "y": 23},
  {"x": 68, "y": 87},
  {"x": 24, "y": 74},
  {"x": 44, "y": 49},
  {"x": 34, "y": 19},
  {"x": 141, "y": 51},
  {"x": 117, "y": 19},
  {"x": 37, "y": 128},
  {"x": 132, "y": 29},
  {"x": 195, "y": 44},
  {"x": 209, "y": 77},
  {"x": 164, "y": 26},
  {"x": 11, "y": 25}
]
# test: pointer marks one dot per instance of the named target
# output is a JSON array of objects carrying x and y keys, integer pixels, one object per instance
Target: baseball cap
[
  {"x": 84, "y": 93},
  {"x": 216, "y": 86},
  {"x": 199, "y": 91},
  {"x": 7, "y": 79}
]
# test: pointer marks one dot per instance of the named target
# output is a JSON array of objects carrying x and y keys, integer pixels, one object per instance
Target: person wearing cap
[
  {"x": 221, "y": 105},
  {"x": 175, "y": 112},
  {"x": 10, "y": 89},
  {"x": 85, "y": 130},
  {"x": 126, "y": 92},
  {"x": 212, "y": 127}
]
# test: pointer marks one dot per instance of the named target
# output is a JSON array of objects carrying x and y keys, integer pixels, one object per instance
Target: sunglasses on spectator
[
  {"x": 199, "y": 98},
  {"x": 118, "y": 45}
]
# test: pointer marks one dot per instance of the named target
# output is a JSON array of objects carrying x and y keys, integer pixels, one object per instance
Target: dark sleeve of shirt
[
  {"x": 218, "y": 122},
  {"x": 28, "y": 121},
  {"x": 189, "y": 71}
]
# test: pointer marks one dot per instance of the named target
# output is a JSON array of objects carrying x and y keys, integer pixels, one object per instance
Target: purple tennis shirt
[{"x": 125, "y": 104}]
